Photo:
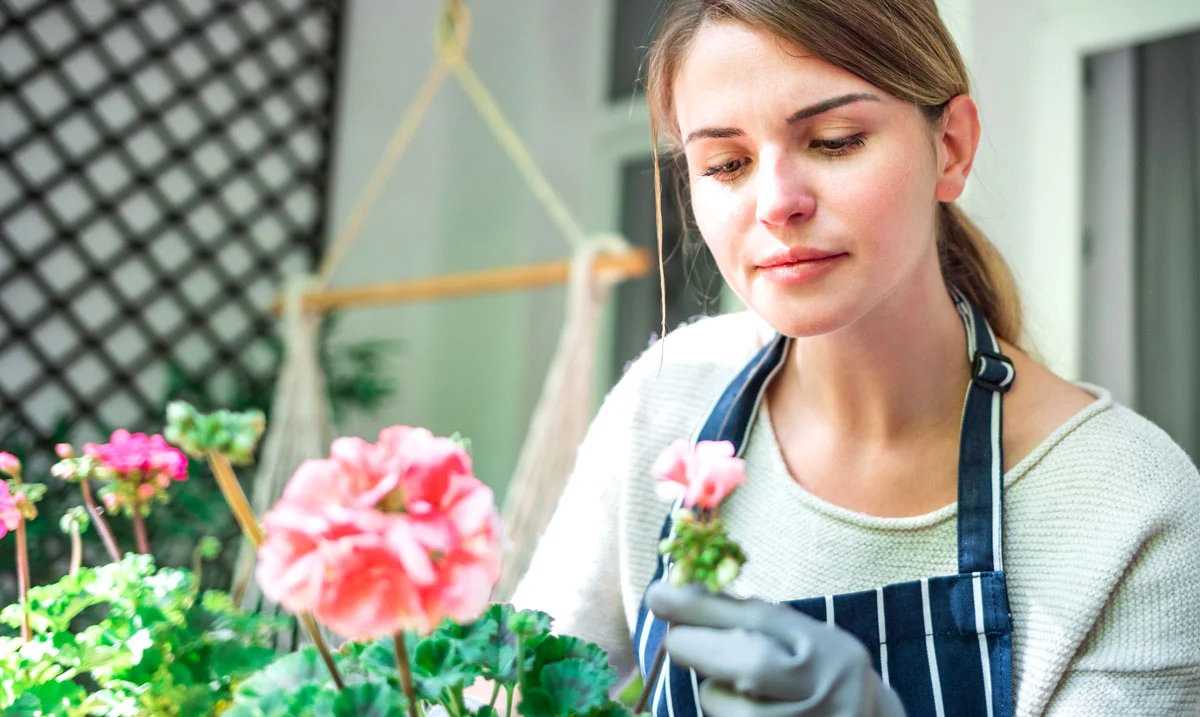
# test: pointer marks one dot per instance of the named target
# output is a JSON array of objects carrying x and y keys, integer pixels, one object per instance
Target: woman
[{"x": 1031, "y": 551}]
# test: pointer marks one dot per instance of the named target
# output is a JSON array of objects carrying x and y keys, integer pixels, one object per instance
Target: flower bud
[
  {"x": 179, "y": 413},
  {"x": 111, "y": 501},
  {"x": 146, "y": 491},
  {"x": 209, "y": 547},
  {"x": 523, "y": 623},
  {"x": 64, "y": 450},
  {"x": 728, "y": 571},
  {"x": 63, "y": 470},
  {"x": 10, "y": 465},
  {"x": 256, "y": 421}
]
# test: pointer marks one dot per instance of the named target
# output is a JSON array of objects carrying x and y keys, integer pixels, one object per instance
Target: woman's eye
[
  {"x": 727, "y": 170},
  {"x": 839, "y": 147}
]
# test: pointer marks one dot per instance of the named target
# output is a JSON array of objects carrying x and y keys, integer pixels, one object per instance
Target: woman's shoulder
[
  {"x": 699, "y": 356},
  {"x": 1108, "y": 447},
  {"x": 1102, "y": 540}
]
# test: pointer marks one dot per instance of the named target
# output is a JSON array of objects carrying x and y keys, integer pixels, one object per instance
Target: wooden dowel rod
[{"x": 632, "y": 264}]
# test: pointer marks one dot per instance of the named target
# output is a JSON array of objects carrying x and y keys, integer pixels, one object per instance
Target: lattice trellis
[{"x": 163, "y": 163}]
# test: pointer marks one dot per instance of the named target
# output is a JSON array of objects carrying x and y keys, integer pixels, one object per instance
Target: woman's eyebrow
[
  {"x": 806, "y": 113},
  {"x": 831, "y": 104}
]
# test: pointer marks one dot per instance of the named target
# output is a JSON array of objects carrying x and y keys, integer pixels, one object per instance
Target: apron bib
[{"x": 943, "y": 643}]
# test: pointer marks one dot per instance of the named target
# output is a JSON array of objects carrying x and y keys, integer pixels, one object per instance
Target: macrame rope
[
  {"x": 504, "y": 133},
  {"x": 451, "y": 35}
]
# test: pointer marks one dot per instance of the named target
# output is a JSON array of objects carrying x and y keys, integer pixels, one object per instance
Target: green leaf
[
  {"x": 437, "y": 668},
  {"x": 288, "y": 674},
  {"x": 576, "y": 686},
  {"x": 558, "y": 649},
  {"x": 48, "y": 698},
  {"x": 488, "y": 643},
  {"x": 612, "y": 709},
  {"x": 537, "y": 702},
  {"x": 370, "y": 699}
]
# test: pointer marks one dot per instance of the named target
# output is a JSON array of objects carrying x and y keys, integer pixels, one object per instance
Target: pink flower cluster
[
  {"x": 383, "y": 536},
  {"x": 136, "y": 456},
  {"x": 10, "y": 512},
  {"x": 703, "y": 474}
]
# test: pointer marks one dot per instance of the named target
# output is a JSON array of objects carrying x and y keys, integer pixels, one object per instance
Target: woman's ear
[{"x": 956, "y": 139}]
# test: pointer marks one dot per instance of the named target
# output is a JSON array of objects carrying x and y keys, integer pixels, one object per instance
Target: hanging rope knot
[
  {"x": 452, "y": 32},
  {"x": 584, "y": 258}
]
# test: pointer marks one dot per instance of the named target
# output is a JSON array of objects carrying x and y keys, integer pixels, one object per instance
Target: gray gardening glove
[{"x": 765, "y": 660}]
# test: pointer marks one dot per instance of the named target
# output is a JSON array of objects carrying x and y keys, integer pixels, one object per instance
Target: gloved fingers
[
  {"x": 718, "y": 701},
  {"x": 746, "y": 661},
  {"x": 693, "y": 605}
]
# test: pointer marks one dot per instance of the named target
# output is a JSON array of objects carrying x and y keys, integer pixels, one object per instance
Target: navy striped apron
[{"x": 944, "y": 644}]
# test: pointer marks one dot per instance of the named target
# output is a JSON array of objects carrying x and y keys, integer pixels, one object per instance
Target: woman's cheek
[{"x": 721, "y": 221}]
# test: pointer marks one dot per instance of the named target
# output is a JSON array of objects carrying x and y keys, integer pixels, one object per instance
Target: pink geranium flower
[
  {"x": 10, "y": 514},
  {"x": 138, "y": 456},
  {"x": 383, "y": 536},
  {"x": 703, "y": 474}
]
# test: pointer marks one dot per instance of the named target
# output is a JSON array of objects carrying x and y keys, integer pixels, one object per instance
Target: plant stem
[
  {"x": 106, "y": 536},
  {"x": 405, "y": 673},
  {"x": 23, "y": 579},
  {"x": 315, "y": 633},
  {"x": 508, "y": 691},
  {"x": 652, "y": 676},
  {"x": 76, "y": 550},
  {"x": 520, "y": 661},
  {"x": 495, "y": 694},
  {"x": 139, "y": 530},
  {"x": 235, "y": 497},
  {"x": 197, "y": 565}
]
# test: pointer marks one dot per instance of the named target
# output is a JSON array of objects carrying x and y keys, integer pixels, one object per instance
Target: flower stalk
[
  {"x": 326, "y": 656},
  {"x": 23, "y": 579},
  {"x": 19, "y": 507},
  {"x": 141, "y": 542},
  {"x": 73, "y": 523},
  {"x": 106, "y": 536},
  {"x": 652, "y": 676},
  {"x": 406, "y": 681},
  {"x": 76, "y": 552},
  {"x": 235, "y": 497}
]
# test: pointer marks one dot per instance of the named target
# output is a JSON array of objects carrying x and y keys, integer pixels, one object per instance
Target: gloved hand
[{"x": 765, "y": 660}]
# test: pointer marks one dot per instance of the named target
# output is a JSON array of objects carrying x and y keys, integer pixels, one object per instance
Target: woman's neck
[{"x": 898, "y": 373}]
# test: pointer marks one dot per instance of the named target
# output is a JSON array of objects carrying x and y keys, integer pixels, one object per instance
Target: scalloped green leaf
[{"x": 576, "y": 686}]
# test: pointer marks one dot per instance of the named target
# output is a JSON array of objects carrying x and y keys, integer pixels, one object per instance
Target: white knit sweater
[{"x": 1102, "y": 537}]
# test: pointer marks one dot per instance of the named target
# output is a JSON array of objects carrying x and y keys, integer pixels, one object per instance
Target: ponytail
[{"x": 974, "y": 266}]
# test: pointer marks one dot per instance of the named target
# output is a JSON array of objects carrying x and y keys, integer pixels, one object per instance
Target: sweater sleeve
[
  {"x": 1142, "y": 656},
  {"x": 574, "y": 574}
]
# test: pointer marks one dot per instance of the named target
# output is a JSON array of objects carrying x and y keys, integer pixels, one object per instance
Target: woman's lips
[{"x": 799, "y": 271}]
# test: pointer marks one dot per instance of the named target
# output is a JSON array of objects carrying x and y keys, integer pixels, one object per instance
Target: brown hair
[{"x": 900, "y": 46}]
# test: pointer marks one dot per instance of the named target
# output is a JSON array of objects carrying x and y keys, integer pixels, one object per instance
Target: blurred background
[{"x": 165, "y": 164}]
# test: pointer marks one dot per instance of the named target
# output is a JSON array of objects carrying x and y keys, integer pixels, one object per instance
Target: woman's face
[{"x": 814, "y": 190}]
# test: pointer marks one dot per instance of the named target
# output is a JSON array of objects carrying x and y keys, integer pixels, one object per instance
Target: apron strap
[
  {"x": 732, "y": 416},
  {"x": 981, "y": 449}
]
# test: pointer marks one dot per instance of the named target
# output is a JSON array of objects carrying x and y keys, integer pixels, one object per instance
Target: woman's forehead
[{"x": 731, "y": 69}]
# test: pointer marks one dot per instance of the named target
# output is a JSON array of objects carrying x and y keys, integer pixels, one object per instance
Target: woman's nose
[{"x": 784, "y": 191}]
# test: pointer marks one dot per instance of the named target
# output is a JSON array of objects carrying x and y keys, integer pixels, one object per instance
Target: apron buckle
[{"x": 993, "y": 371}]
